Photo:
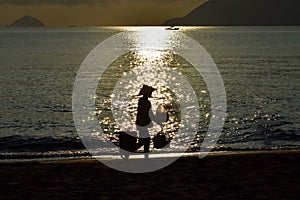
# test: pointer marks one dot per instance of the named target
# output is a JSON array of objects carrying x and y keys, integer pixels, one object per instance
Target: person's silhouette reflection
[{"x": 144, "y": 117}]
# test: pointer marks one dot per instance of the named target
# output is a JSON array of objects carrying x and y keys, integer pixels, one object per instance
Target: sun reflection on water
[
  {"x": 153, "y": 38},
  {"x": 153, "y": 46},
  {"x": 150, "y": 62}
]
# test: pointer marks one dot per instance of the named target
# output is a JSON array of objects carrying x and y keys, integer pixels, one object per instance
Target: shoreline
[
  {"x": 137, "y": 156},
  {"x": 263, "y": 175},
  {"x": 140, "y": 156}
]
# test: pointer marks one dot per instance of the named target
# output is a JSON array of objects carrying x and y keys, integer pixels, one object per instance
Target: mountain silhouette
[
  {"x": 27, "y": 21},
  {"x": 242, "y": 13}
]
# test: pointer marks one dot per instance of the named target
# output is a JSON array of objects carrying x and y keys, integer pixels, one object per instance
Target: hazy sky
[{"x": 96, "y": 12}]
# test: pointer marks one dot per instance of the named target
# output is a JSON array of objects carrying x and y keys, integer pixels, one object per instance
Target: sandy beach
[{"x": 252, "y": 175}]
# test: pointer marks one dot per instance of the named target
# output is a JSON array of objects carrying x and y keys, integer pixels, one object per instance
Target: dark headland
[
  {"x": 242, "y": 13},
  {"x": 27, "y": 21}
]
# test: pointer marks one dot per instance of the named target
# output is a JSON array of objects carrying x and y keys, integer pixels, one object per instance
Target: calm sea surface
[{"x": 260, "y": 67}]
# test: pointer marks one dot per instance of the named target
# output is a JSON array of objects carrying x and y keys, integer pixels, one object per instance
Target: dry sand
[{"x": 267, "y": 175}]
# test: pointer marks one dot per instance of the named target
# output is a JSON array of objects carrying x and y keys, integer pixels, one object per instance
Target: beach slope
[{"x": 252, "y": 175}]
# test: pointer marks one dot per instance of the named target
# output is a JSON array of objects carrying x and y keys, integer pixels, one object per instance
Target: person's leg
[
  {"x": 144, "y": 139},
  {"x": 146, "y": 147},
  {"x": 146, "y": 142}
]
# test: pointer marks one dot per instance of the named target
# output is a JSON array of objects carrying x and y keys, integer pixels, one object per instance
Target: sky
[{"x": 96, "y": 12}]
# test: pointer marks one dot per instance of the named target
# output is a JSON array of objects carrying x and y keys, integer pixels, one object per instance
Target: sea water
[{"x": 259, "y": 66}]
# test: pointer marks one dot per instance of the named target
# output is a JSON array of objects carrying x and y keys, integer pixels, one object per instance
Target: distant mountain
[
  {"x": 27, "y": 21},
  {"x": 242, "y": 12}
]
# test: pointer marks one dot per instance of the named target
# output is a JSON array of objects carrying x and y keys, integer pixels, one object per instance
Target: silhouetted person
[{"x": 144, "y": 117}]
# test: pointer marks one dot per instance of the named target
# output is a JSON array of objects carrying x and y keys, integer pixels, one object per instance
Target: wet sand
[{"x": 267, "y": 175}]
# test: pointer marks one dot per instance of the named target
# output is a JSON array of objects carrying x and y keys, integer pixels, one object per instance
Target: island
[
  {"x": 242, "y": 13},
  {"x": 27, "y": 21}
]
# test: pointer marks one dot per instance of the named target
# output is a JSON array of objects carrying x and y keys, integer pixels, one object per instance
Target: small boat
[{"x": 172, "y": 28}]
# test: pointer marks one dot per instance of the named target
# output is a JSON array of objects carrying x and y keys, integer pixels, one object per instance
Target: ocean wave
[{"x": 38, "y": 144}]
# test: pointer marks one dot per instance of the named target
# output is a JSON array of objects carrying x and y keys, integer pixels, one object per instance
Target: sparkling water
[{"x": 259, "y": 66}]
